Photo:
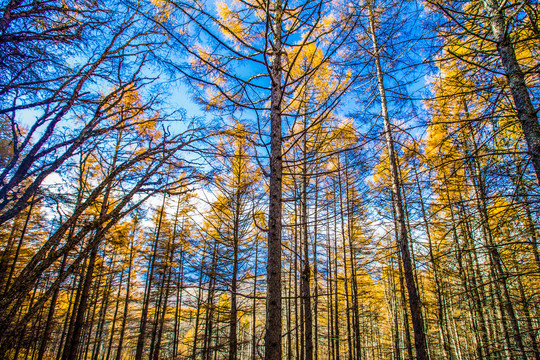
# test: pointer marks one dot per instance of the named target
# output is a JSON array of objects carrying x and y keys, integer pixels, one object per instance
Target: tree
[
  {"x": 259, "y": 34},
  {"x": 500, "y": 35},
  {"x": 132, "y": 182}
]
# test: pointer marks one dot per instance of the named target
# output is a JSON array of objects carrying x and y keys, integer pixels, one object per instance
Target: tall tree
[{"x": 258, "y": 34}]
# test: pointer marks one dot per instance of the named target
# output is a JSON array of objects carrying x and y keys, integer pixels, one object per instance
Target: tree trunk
[
  {"x": 350, "y": 348},
  {"x": 19, "y": 245},
  {"x": 233, "y": 316},
  {"x": 516, "y": 81},
  {"x": 115, "y": 316},
  {"x": 74, "y": 341},
  {"x": 315, "y": 273},
  {"x": 336, "y": 289},
  {"x": 164, "y": 307},
  {"x": 438, "y": 288},
  {"x": 98, "y": 347},
  {"x": 50, "y": 317},
  {"x": 148, "y": 288},
  {"x": 352, "y": 256},
  {"x": 178, "y": 310},
  {"x": 273, "y": 289},
  {"x": 402, "y": 239},
  {"x": 126, "y": 301},
  {"x": 254, "y": 304}
]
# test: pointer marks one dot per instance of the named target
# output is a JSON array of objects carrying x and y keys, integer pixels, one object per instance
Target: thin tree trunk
[
  {"x": 19, "y": 245},
  {"x": 148, "y": 288},
  {"x": 470, "y": 285},
  {"x": 438, "y": 289},
  {"x": 330, "y": 298},
  {"x": 75, "y": 340},
  {"x": 199, "y": 303},
  {"x": 157, "y": 315},
  {"x": 306, "y": 272},
  {"x": 350, "y": 348},
  {"x": 403, "y": 241},
  {"x": 165, "y": 301},
  {"x": 233, "y": 315},
  {"x": 354, "y": 283},
  {"x": 115, "y": 316},
  {"x": 178, "y": 311},
  {"x": 315, "y": 272},
  {"x": 498, "y": 272},
  {"x": 531, "y": 332},
  {"x": 128, "y": 289},
  {"x": 50, "y": 317},
  {"x": 210, "y": 306},
  {"x": 336, "y": 288},
  {"x": 97, "y": 349},
  {"x": 179, "y": 284},
  {"x": 254, "y": 304},
  {"x": 67, "y": 329}
]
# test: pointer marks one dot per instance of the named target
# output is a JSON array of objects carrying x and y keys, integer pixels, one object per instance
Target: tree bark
[
  {"x": 273, "y": 267},
  {"x": 516, "y": 81}
]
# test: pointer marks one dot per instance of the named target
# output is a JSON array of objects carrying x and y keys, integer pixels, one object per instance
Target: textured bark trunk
[
  {"x": 273, "y": 291},
  {"x": 406, "y": 330},
  {"x": 516, "y": 81}
]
